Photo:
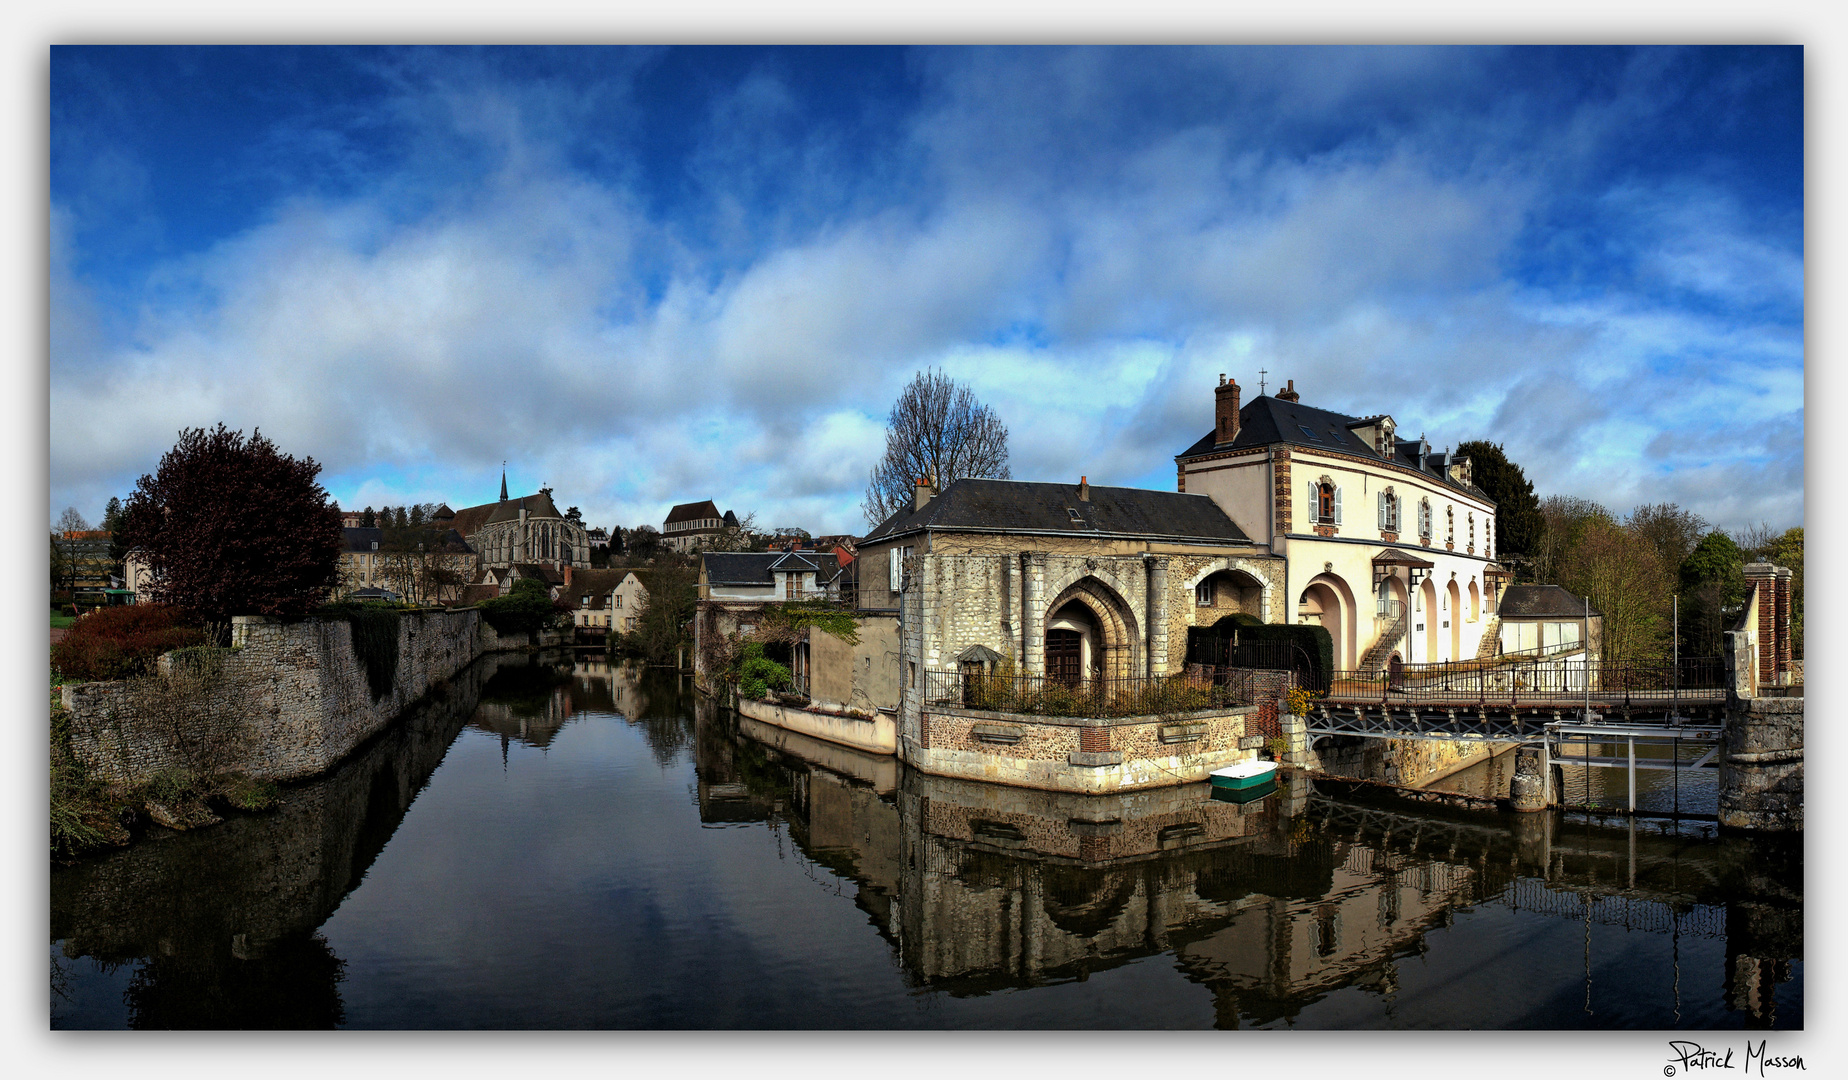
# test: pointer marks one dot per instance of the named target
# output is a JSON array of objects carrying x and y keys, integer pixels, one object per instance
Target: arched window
[
  {"x": 1424, "y": 521},
  {"x": 1325, "y": 502},
  {"x": 1450, "y": 525},
  {"x": 1472, "y": 532},
  {"x": 1389, "y": 511}
]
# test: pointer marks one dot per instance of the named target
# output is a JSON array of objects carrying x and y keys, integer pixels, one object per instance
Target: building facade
[
  {"x": 528, "y": 529},
  {"x": 692, "y": 526},
  {"x": 1387, "y": 544}
]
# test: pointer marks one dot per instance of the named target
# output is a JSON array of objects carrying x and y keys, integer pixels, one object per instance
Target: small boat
[
  {"x": 1249, "y": 774},
  {"x": 1243, "y": 795}
]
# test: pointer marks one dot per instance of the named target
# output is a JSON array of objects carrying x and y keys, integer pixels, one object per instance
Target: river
[{"x": 562, "y": 843}]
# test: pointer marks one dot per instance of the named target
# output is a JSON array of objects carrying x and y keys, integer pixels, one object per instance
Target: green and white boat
[{"x": 1244, "y": 776}]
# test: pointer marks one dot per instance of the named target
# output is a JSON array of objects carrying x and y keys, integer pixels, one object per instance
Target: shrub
[
  {"x": 756, "y": 673},
  {"x": 526, "y": 607},
  {"x": 375, "y": 640},
  {"x": 119, "y": 642},
  {"x": 248, "y": 794}
]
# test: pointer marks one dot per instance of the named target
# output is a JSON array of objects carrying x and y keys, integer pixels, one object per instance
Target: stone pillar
[
  {"x": 1533, "y": 839},
  {"x": 1761, "y": 764},
  {"x": 1527, "y": 791},
  {"x": 1295, "y": 734},
  {"x": 1155, "y": 615},
  {"x": 1033, "y": 619}
]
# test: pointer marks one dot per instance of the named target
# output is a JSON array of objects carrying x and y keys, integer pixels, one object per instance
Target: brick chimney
[
  {"x": 1084, "y": 489},
  {"x": 1289, "y": 393},
  {"x": 567, "y": 575},
  {"x": 921, "y": 496},
  {"x": 1225, "y": 411}
]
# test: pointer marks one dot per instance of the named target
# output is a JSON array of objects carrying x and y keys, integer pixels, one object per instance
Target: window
[
  {"x": 584, "y": 601},
  {"x": 789, "y": 586},
  {"x": 1450, "y": 525},
  {"x": 1389, "y": 511},
  {"x": 1472, "y": 532},
  {"x": 1310, "y": 435},
  {"x": 1325, "y": 502},
  {"x": 895, "y": 564},
  {"x": 1424, "y": 521},
  {"x": 1203, "y": 593},
  {"x": 619, "y": 602}
]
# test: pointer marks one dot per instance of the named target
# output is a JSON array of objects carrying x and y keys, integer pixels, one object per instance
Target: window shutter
[
  {"x": 1337, "y": 504},
  {"x": 1382, "y": 510},
  {"x": 1315, "y": 503},
  {"x": 892, "y": 558}
]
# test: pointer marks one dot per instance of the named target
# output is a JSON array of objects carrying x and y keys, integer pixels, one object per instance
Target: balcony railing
[
  {"x": 1137, "y": 695},
  {"x": 1388, "y": 608}
]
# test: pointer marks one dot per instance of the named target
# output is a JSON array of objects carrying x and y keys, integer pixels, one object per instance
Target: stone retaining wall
[
  {"x": 1081, "y": 754},
  {"x": 1761, "y": 765},
  {"x": 288, "y": 701}
]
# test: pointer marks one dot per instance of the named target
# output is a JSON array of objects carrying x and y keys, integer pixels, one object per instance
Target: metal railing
[
  {"x": 1099, "y": 696},
  {"x": 1388, "y": 608},
  {"x": 1530, "y": 679}
]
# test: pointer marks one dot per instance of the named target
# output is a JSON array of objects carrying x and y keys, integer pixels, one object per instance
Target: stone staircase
[
  {"x": 1376, "y": 657},
  {"x": 1491, "y": 638}
]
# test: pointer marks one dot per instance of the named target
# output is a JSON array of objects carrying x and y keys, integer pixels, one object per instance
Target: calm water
[{"x": 554, "y": 845}]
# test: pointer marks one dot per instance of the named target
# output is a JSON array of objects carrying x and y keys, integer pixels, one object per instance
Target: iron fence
[
  {"x": 1099, "y": 696},
  {"x": 1509, "y": 680}
]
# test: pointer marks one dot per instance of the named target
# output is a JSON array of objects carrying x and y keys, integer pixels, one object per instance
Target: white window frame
[{"x": 1203, "y": 593}]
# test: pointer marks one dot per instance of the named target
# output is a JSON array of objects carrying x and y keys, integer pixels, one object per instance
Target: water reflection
[{"x": 1298, "y": 909}]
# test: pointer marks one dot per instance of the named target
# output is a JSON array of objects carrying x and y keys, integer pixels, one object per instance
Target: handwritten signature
[{"x": 1692, "y": 1055}]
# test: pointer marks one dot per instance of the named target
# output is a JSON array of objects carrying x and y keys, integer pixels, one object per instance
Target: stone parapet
[{"x": 1079, "y": 754}]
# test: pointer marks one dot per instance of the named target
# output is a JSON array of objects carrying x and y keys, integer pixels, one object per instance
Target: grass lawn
[{"x": 58, "y": 618}]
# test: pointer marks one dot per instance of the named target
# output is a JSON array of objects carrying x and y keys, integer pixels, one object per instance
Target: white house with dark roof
[
  {"x": 694, "y": 525},
  {"x": 1387, "y": 544}
]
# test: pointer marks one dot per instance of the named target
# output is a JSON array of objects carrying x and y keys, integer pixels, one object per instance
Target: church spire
[{"x": 503, "y": 481}]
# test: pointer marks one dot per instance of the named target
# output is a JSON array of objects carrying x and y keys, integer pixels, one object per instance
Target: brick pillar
[
  {"x": 1783, "y": 626},
  {"x": 1283, "y": 490},
  {"x": 1760, "y": 579}
]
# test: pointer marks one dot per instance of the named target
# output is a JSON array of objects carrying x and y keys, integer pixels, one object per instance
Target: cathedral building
[{"x": 525, "y": 531}]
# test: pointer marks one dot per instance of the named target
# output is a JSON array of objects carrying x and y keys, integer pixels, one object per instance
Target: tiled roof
[
  {"x": 1010, "y": 505},
  {"x": 1526, "y": 601}
]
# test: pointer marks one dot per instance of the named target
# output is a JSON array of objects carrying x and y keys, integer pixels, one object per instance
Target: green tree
[
  {"x": 1712, "y": 591},
  {"x": 60, "y": 566},
  {"x": 1518, "y": 524},
  {"x": 112, "y": 521},
  {"x": 370, "y": 520}
]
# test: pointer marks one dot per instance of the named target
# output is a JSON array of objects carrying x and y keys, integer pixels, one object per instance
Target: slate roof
[
  {"x": 599, "y": 584},
  {"x": 1267, "y": 420},
  {"x": 756, "y": 567},
  {"x": 1530, "y": 601},
  {"x": 1014, "y": 506},
  {"x": 475, "y": 594},
  {"x": 692, "y": 512},
  {"x": 551, "y": 575},
  {"x": 537, "y": 506}
]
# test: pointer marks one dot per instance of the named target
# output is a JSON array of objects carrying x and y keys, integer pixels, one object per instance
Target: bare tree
[
  {"x": 72, "y": 521},
  {"x": 937, "y": 432},
  {"x": 1672, "y": 531},
  {"x": 1564, "y": 519},
  {"x": 738, "y": 538}
]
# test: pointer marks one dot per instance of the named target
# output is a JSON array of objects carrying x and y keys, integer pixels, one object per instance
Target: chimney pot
[
  {"x": 1288, "y": 393},
  {"x": 921, "y": 496}
]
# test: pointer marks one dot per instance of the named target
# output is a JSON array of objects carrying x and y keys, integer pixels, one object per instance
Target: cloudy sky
[{"x": 646, "y": 276}]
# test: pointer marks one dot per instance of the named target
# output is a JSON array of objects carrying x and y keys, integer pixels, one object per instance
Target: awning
[{"x": 1395, "y": 557}]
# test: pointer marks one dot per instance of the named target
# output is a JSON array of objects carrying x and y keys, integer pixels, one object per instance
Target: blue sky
[{"x": 646, "y": 276}]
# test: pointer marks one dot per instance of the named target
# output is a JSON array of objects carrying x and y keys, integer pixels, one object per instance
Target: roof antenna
[{"x": 1261, "y": 373}]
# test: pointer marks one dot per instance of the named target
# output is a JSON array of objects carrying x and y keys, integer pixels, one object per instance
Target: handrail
[{"x": 1097, "y": 696}]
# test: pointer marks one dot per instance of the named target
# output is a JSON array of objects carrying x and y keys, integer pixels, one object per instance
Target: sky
[{"x": 644, "y": 276}]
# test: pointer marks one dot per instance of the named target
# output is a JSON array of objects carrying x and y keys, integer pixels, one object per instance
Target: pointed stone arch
[{"x": 1121, "y": 644}]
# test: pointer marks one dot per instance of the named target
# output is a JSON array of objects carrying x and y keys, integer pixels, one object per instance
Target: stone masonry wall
[
  {"x": 1080, "y": 755},
  {"x": 292, "y": 699}
]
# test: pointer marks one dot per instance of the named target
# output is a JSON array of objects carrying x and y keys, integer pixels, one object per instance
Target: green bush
[
  {"x": 375, "y": 639},
  {"x": 248, "y": 794},
  {"x": 527, "y": 607}
]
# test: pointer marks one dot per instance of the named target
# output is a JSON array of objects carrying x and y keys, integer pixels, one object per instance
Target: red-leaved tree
[{"x": 231, "y": 526}]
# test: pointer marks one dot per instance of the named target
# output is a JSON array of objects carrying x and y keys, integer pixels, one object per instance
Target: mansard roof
[
  {"x": 1531, "y": 601},
  {"x": 695, "y": 511},
  {"x": 1267, "y": 420},
  {"x": 1111, "y": 512},
  {"x": 358, "y": 539}
]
